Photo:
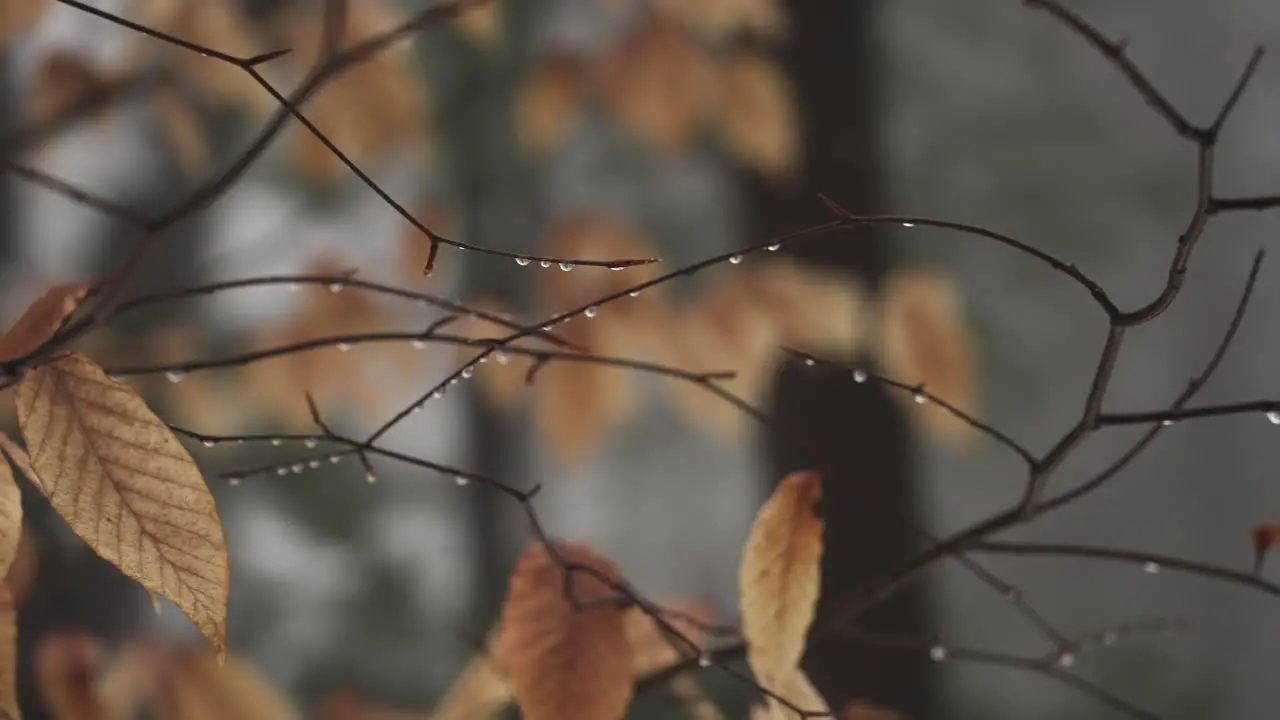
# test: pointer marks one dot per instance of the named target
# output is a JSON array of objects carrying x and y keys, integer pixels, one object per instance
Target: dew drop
[
  {"x": 704, "y": 661},
  {"x": 417, "y": 344},
  {"x": 937, "y": 653},
  {"x": 175, "y": 376},
  {"x": 282, "y": 470},
  {"x": 335, "y": 459},
  {"x": 438, "y": 394},
  {"x": 810, "y": 362},
  {"x": 310, "y": 442},
  {"x": 919, "y": 398},
  {"x": 545, "y": 263},
  {"x": 1150, "y": 568},
  {"x": 313, "y": 464},
  {"x": 634, "y": 293},
  {"x": 275, "y": 442},
  {"x": 336, "y": 287},
  {"x": 343, "y": 347},
  {"x": 1166, "y": 423},
  {"x": 1273, "y": 417},
  {"x": 775, "y": 247},
  {"x": 908, "y": 225},
  {"x": 1110, "y": 638},
  {"x": 859, "y": 376},
  {"x": 453, "y": 381},
  {"x": 735, "y": 259},
  {"x": 370, "y": 477},
  {"x": 566, "y": 266},
  {"x": 1066, "y": 660},
  {"x": 501, "y": 358},
  {"x": 234, "y": 480},
  {"x": 416, "y": 408},
  {"x": 523, "y": 261},
  {"x": 294, "y": 287},
  {"x": 460, "y": 481},
  {"x": 591, "y": 311},
  {"x": 298, "y": 467},
  {"x": 467, "y": 372},
  {"x": 209, "y": 443}
]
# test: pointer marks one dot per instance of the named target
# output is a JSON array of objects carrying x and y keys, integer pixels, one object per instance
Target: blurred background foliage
[{"x": 677, "y": 129}]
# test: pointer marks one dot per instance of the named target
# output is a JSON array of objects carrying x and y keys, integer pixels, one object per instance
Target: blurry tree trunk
[{"x": 852, "y": 433}]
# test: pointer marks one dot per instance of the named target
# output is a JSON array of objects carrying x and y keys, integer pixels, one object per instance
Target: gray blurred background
[{"x": 982, "y": 112}]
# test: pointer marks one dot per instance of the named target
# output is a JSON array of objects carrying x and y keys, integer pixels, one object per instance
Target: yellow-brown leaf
[
  {"x": 549, "y": 102},
  {"x": 481, "y": 692},
  {"x": 779, "y": 578},
  {"x": 10, "y": 517},
  {"x": 65, "y": 667},
  {"x": 124, "y": 483},
  {"x": 925, "y": 340},
  {"x": 564, "y": 663},
  {"x": 41, "y": 319},
  {"x": 8, "y": 653},
  {"x": 757, "y": 115}
]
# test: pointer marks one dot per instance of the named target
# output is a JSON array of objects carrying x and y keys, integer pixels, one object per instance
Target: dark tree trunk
[{"x": 853, "y": 434}]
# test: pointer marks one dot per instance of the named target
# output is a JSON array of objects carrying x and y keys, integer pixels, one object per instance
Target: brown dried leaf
[
  {"x": 1264, "y": 536},
  {"x": 64, "y": 667},
  {"x": 549, "y": 102},
  {"x": 757, "y": 115},
  {"x": 8, "y": 654},
  {"x": 779, "y": 579},
  {"x": 183, "y": 131},
  {"x": 564, "y": 663},
  {"x": 925, "y": 340},
  {"x": 660, "y": 85},
  {"x": 815, "y": 311},
  {"x": 10, "y": 517},
  {"x": 41, "y": 319},
  {"x": 124, "y": 483},
  {"x": 796, "y": 689},
  {"x": 62, "y": 79},
  {"x": 196, "y": 687},
  {"x": 18, "y": 17},
  {"x": 650, "y": 648},
  {"x": 726, "y": 332},
  {"x": 481, "y": 692}
]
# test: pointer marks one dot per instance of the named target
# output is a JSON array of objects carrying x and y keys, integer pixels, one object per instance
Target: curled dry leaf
[
  {"x": 10, "y": 517},
  {"x": 924, "y": 339},
  {"x": 550, "y": 102},
  {"x": 481, "y": 692},
  {"x": 9, "y": 709},
  {"x": 126, "y": 485},
  {"x": 19, "y": 17},
  {"x": 659, "y": 84},
  {"x": 757, "y": 115},
  {"x": 41, "y": 320},
  {"x": 565, "y": 662},
  {"x": 721, "y": 19},
  {"x": 1264, "y": 536},
  {"x": 779, "y": 580}
]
